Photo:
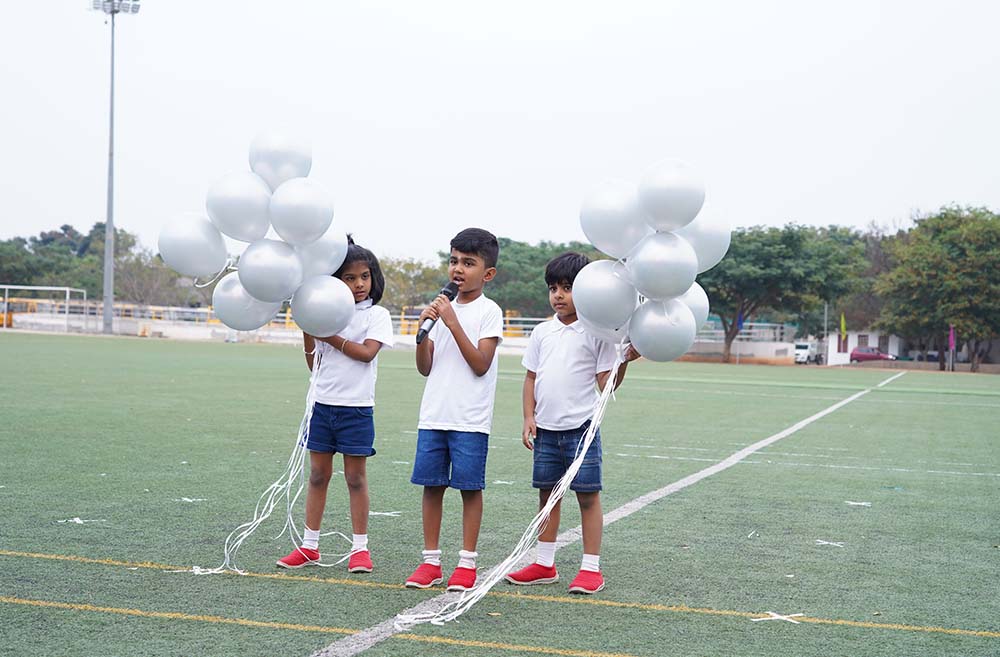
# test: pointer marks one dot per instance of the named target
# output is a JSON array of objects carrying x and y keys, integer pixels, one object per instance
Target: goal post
[{"x": 58, "y": 302}]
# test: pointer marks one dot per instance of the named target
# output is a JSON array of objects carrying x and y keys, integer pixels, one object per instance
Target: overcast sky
[{"x": 428, "y": 117}]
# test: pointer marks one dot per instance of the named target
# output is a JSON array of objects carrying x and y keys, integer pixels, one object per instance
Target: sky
[{"x": 429, "y": 117}]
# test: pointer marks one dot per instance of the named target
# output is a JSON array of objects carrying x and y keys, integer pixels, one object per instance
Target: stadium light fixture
[{"x": 112, "y": 8}]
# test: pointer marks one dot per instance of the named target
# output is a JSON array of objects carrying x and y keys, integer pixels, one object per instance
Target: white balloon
[
  {"x": 235, "y": 308},
  {"x": 603, "y": 295},
  {"x": 323, "y": 306},
  {"x": 238, "y": 206},
  {"x": 325, "y": 255},
  {"x": 672, "y": 194},
  {"x": 612, "y": 218},
  {"x": 697, "y": 301},
  {"x": 192, "y": 245},
  {"x": 607, "y": 335},
  {"x": 277, "y": 158},
  {"x": 662, "y": 266},
  {"x": 710, "y": 239},
  {"x": 662, "y": 330},
  {"x": 270, "y": 270},
  {"x": 301, "y": 211}
]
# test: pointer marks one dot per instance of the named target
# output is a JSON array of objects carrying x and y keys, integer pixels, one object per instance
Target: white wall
[{"x": 833, "y": 357}]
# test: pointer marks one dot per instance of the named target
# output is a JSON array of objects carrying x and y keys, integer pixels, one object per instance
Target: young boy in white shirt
[
  {"x": 563, "y": 364},
  {"x": 459, "y": 359}
]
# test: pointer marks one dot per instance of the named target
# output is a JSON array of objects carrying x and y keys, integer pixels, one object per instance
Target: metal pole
[
  {"x": 67, "y": 310},
  {"x": 109, "y": 226},
  {"x": 6, "y": 305}
]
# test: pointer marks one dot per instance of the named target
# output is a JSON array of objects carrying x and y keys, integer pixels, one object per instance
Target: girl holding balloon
[{"x": 342, "y": 416}]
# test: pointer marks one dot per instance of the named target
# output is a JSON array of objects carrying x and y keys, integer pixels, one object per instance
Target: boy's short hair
[
  {"x": 565, "y": 267},
  {"x": 479, "y": 242},
  {"x": 358, "y": 253}
]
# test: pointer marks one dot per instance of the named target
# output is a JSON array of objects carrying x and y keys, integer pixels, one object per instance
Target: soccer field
[{"x": 872, "y": 529}]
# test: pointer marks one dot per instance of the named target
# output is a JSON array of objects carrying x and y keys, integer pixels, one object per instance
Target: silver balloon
[
  {"x": 192, "y": 245},
  {"x": 697, "y": 301},
  {"x": 270, "y": 270},
  {"x": 325, "y": 255},
  {"x": 301, "y": 211},
  {"x": 662, "y": 266},
  {"x": 237, "y": 309},
  {"x": 607, "y": 335},
  {"x": 710, "y": 239},
  {"x": 612, "y": 218},
  {"x": 323, "y": 306},
  {"x": 277, "y": 158},
  {"x": 672, "y": 194},
  {"x": 662, "y": 330},
  {"x": 603, "y": 295},
  {"x": 238, "y": 206}
]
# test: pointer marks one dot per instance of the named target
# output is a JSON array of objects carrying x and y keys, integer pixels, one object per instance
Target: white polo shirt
[
  {"x": 455, "y": 399},
  {"x": 565, "y": 360},
  {"x": 342, "y": 380}
]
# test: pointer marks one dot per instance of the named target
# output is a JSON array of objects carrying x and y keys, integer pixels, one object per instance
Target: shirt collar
[
  {"x": 576, "y": 326},
  {"x": 361, "y": 305}
]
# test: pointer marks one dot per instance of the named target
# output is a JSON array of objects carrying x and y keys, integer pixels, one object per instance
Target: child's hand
[
  {"x": 430, "y": 312},
  {"x": 445, "y": 311},
  {"x": 631, "y": 354},
  {"x": 529, "y": 433}
]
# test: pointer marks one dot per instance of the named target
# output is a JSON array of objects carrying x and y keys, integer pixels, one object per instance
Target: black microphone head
[{"x": 450, "y": 290}]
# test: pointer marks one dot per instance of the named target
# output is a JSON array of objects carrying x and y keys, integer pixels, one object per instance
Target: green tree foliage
[
  {"x": 946, "y": 271},
  {"x": 789, "y": 270},
  {"x": 410, "y": 283}
]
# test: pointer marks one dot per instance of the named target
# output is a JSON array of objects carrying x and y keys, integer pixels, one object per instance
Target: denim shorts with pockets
[
  {"x": 555, "y": 450},
  {"x": 451, "y": 458},
  {"x": 349, "y": 430}
]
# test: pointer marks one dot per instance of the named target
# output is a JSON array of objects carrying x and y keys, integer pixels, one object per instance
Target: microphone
[{"x": 451, "y": 291}]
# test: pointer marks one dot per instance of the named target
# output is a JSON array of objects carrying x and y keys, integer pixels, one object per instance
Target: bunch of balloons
[
  {"x": 245, "y": 205},
  {"x": 660, "y": 245}
]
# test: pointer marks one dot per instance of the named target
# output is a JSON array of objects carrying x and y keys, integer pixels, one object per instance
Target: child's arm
[
  {"x": 425, "y": 350},
  {"x": 478, "y": 356},
  {"x": 364, "y": 352},
  {"x": 528, "y": 406},
  {"x": 602, "y": 377},
  {"x": 308, "y": 346}
]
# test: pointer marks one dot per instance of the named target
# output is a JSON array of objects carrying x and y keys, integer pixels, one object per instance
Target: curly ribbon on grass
[
  {"x": 284, "y": 487},
  {"x": 456, "y": 608}
]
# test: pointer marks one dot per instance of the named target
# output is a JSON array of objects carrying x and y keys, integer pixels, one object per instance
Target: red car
[{"x": 869, "y": 353}]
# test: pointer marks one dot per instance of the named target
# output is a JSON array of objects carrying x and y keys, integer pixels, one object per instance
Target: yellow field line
[
  {"x": 246, "y": 622},
  {"x": 598, "y": 602}
]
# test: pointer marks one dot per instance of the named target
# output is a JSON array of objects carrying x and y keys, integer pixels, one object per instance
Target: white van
[{"x": 805, "y": 352}]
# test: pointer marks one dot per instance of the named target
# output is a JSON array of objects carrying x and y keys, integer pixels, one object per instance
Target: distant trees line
[{"x": 916, "y": 282}]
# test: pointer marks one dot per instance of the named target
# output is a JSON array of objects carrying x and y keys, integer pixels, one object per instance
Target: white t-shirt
[
  {"x": 565, "y": 360},
  {"x": 343, "y": 381},
  {"x": 455, "y": 399}
]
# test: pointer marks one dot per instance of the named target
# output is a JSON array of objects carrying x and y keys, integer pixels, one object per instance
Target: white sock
[
  {"x": 546, "y": 554},
  {"x": 359, "y": 542},
  {"x": 467, "y": 559},
  {"x": 591, "y": 562},
  {"x": 433, "y": 557},
  {"x": 311, "y": 540}
]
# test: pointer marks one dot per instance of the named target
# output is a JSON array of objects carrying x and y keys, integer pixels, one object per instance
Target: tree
[
  {"x": 410, "y": 282},
  {"x": 946, "y": 272},
  {"x": 787, "y": 270}
]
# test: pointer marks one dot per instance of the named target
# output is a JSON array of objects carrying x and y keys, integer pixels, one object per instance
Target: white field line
[
  {"x": 367, "y": 638},
  {"x": 891, "y": 379}
]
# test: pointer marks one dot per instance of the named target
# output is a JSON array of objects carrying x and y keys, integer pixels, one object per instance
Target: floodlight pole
[{"x": 109, "y": 226}]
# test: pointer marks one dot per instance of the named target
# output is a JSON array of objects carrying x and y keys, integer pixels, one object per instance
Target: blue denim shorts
[
  {"x": 555, "y": 450},
  {"x": 451, "y": 458},
  {"x": 349, "y": 430}
]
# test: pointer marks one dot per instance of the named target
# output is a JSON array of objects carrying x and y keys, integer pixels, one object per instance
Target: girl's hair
[{"x": 356, "y": 253}]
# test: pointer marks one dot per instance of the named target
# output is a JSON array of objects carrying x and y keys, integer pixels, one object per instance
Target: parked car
[
  {"x": 860, "y": 354},
  {"x": 805, "y": 352}
]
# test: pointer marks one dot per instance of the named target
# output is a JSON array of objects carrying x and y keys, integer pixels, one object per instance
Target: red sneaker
[
  {"x": 300, "y": 557},
  {"x": 425, "y": 576},
  {"x": 533, "y": 574},
  {"x": 462, "y": 579},
  {"x": 360, "y": 562},
  {"x": 587, "y": 582}
]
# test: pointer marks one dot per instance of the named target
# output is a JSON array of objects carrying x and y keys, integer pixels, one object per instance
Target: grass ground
[{"x": 120, "y": 432}]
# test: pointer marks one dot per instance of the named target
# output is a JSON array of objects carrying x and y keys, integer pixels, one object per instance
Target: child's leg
[
  {"x": 320, "y": 469},
  {"x": 472, "y": 518},
  {"x": 355, "y": 474},
  {"x": 432, "y": 505},
  {"x": 550, "y": 530},
  {"x": 592, "y": 519}
]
